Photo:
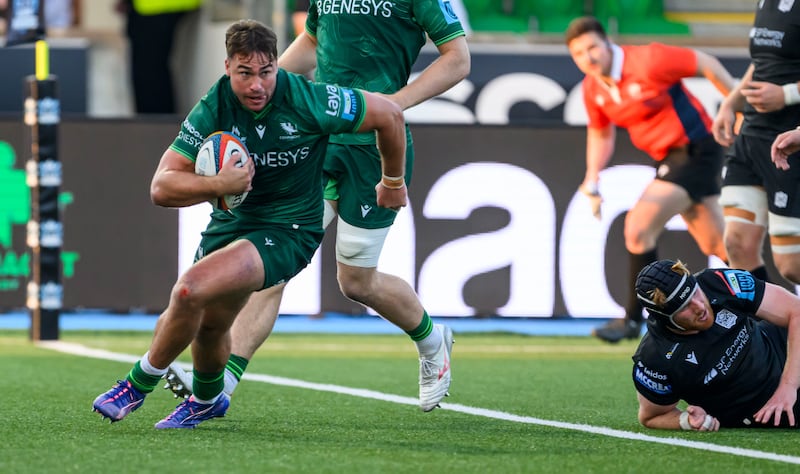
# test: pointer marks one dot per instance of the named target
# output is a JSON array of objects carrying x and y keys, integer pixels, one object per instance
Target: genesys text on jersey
[{"x": 355, "y": 7}]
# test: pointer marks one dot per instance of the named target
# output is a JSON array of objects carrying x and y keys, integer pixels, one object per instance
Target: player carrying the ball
[
  {"x": 285, "y": 122},
  {"x": 374, "y": 52}
]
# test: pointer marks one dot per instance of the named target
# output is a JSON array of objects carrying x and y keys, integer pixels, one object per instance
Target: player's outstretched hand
[
  {"x": 595, "y": 199},
  {"x": 781, "y": 401},
  {"x": 784, "y": 145}
]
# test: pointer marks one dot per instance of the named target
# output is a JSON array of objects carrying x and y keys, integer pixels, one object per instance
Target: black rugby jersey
[
  {"x": 775, "y": 52},
  {"x": 731, "y": 369}
]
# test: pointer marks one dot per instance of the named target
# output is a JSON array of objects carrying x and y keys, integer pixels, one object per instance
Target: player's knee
[
  {"x": 638, "y": 240},
  {"x": 739, "y": 247},
  {"x": 211, "y": 331},
  {"x": 787, "y": 259},
  {"x": 357, "y": 283},
  {"x": 785, "y": 243},
  {"x": 354, "y": 291},
  {"x": 713, "y": 244},
  {"x": 790, "y": 272},
  {"x": 186, "y": 295}
]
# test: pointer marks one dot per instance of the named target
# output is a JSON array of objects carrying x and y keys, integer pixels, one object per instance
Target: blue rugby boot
[
  {"x": 189, "y": 413},
  {"x": 117, "y": 403}
]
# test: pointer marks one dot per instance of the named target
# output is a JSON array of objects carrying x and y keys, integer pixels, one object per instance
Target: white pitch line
[{"x": 81, "y": 350}]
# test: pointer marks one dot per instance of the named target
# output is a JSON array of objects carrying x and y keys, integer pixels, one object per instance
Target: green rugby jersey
[
  {"x": 372, "y": 44},
  {"x": 286, "y": 141}
]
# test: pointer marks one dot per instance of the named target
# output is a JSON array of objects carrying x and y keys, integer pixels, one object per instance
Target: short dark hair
[
  {"x": 246, "y": 37},
  {"x": 582, "y": 25}
]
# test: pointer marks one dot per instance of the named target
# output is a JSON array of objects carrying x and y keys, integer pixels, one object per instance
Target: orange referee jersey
[{"x": 649, "y": 99}]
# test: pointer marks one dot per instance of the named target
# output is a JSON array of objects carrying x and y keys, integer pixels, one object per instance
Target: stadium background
[{"x": 494, "y": 228}]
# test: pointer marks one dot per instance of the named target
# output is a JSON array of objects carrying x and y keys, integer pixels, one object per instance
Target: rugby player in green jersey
[
  {"x": 285, "y": 122},
  {"x": 371, "y": 46}
]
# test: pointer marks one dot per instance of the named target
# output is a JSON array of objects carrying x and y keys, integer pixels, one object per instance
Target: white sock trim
[{"x": 148, "y": 368}]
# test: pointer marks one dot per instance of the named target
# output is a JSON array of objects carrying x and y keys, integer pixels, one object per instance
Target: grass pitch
[{"x": 519, "y": 404}]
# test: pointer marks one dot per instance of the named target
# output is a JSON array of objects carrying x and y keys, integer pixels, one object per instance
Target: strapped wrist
[
  {"x": 684, "y": 421},
  {"x": 393, "y": 182},
  {"x": 791, "y": 95}
]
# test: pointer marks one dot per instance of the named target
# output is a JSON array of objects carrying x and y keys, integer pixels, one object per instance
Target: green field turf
[{"x": 518, "y": 404}]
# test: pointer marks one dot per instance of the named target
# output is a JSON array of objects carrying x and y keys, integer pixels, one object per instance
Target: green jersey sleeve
[
  {"x": 200, "y": 123},
  {"x": 334, "y": 109},
  {"x": 438, "y": 20}
]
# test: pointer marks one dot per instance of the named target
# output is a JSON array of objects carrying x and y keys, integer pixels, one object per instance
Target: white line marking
[{"x": 81, "y": 350}]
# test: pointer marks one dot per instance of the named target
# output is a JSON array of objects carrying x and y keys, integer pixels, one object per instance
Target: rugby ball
[{"x": 215, "y": 150}]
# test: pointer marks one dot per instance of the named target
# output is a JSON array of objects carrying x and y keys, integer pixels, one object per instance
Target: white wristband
[
  {"x": 708, "y": 422},
  {"x": 684, "y": 421},
  {"x": 590, "y": 188},
  {"x": 791, "y": 95}
]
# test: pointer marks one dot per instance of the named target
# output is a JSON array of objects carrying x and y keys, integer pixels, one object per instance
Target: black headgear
[{"x": 677, "y": 287}]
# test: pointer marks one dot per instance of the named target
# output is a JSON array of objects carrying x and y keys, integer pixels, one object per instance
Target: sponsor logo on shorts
[
  {"x": 781, "y": 199},
  {"x": 365, "y": 208}
]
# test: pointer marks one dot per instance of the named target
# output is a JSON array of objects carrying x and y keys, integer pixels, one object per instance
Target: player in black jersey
[
  {"x": 716, "y": 340},
  {"x": 756, "y": 196}
]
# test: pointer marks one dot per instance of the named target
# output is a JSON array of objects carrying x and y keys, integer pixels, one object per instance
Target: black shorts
[
  {"x": 697, "y": 168},
  {"x": 748, "y": 163}
]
